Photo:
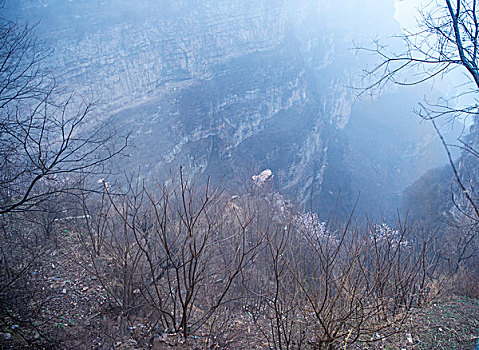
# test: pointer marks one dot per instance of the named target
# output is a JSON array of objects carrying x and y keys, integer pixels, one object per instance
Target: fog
[{"x": 227, "y": 89}]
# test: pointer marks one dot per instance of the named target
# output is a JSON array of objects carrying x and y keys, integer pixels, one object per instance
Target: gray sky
[{"x": 406, "y": 12}]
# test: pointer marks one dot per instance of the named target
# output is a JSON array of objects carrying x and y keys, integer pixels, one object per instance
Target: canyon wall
[{"x": 227, "y": 88}]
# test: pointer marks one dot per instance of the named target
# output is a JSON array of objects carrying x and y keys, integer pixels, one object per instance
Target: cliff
[{"x": 224, "y": 88}]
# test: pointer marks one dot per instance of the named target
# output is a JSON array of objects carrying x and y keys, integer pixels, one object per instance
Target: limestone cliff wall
[{"x": 223, "y": 87}]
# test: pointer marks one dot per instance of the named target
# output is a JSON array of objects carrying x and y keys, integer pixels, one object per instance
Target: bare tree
[
  {"x": 49, "y": 149},
  {"x": 45, "y": 136},
  {"x": 446, "y": 40},
  {"x": 174, "y": 254},
  {"x": 445, "y": 46},
  {"x": 326, "y": 287}
]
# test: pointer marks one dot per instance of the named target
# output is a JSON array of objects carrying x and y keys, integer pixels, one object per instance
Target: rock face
[{"x": 224, "y": 88}]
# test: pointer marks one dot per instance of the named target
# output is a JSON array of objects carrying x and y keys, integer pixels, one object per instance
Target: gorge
[{"x": 228, "y": 89}]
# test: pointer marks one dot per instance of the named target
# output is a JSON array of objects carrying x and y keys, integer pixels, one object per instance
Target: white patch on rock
[{"x": 265, "y": 175}]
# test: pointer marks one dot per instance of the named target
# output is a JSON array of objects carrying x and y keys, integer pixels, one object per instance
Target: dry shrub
[
  {"x": 170, "y": 256},
  {"x": 325, "y": 287},
  {"x": 465, "y": 282}
]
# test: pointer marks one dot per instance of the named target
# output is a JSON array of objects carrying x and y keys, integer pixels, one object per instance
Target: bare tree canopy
[
  {"x": 45, "y": 138},
  {"x": 446, "y": 40}
]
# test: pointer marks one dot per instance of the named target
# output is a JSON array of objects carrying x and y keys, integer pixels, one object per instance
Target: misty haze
[{"x": 238, "y": 174}]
